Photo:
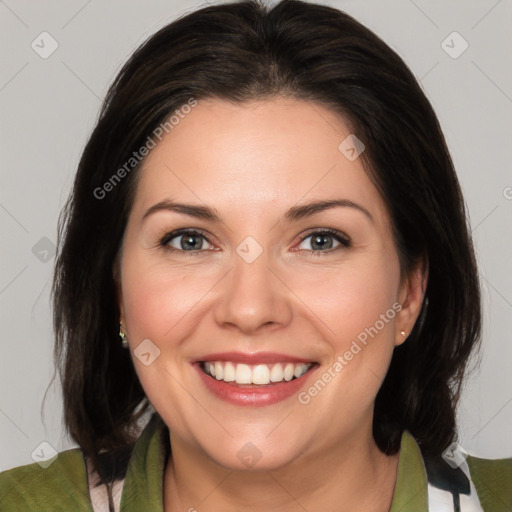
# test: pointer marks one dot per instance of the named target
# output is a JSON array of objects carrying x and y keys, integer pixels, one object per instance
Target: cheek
[
  {"x": 348, "y": 300},
  {"x": 358, "y": 305},
  {"x": 367, "y": 334},
  {"x": 158, "y": 303},
  {"x": 162, "y": 305}
]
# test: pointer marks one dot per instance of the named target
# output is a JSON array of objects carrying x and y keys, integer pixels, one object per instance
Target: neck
[{"x": 355, "y": 474}]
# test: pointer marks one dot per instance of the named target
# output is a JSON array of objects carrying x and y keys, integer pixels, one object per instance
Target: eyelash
[{"x": 338, "y": 236}]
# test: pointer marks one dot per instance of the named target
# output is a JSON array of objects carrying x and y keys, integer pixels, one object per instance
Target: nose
[{"x": 253, "y": 298}]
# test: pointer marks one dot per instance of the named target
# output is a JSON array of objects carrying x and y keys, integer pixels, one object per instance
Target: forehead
[{"x": 256, "y": 156}]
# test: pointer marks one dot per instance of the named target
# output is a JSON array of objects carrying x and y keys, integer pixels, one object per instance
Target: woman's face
[{"x": 260, "y": 292}]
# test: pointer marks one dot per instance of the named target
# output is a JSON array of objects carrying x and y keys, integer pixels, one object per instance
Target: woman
[{"x": 265, "y": 249}]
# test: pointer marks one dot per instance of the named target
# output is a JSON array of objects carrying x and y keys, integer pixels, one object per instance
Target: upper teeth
[{"x": 254, "y": 374}]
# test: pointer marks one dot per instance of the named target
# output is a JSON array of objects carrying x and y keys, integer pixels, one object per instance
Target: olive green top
[{"x": 63, "y": 486}]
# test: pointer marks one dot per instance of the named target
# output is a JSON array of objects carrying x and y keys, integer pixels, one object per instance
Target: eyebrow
[{"x": 293, "y": 214}]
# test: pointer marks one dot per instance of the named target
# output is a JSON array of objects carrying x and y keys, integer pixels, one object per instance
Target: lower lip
[{"x": 256, "y": 396}]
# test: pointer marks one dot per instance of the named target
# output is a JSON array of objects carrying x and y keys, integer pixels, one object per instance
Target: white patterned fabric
[
  {"x": 99, "y": 496},
  {"x": 442, "y": 501}
]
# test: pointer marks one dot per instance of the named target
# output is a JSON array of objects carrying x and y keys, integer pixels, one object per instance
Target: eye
[
  {"x": 185, "y": 240},
  {"x": 325, "y": 240},
  {"x": 192, "y": 240}
]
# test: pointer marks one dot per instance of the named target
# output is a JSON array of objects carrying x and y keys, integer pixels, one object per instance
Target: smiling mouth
[{"x": 254, "y": 375}]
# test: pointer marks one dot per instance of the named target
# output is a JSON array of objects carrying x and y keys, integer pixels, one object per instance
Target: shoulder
[
  {"x": 474, "y": 483},
  {"x": 500, "y": 469},
  {"x": 493, "y": 481},
  {"x": 61, "y": 486}
]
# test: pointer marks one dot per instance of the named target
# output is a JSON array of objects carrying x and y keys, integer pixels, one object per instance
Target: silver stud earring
[
  {"x": 403, "y": 333},
  {"x": 122, "y": 335}
]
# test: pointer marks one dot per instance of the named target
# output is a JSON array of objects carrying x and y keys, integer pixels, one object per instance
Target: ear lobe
[{"x": 411, "y": 296}]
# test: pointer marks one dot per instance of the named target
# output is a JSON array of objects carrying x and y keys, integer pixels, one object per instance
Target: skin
[{"x": 252, "y": 162}]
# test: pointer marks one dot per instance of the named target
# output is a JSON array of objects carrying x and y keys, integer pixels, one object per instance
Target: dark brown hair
[{"x": 238, "y": 52}]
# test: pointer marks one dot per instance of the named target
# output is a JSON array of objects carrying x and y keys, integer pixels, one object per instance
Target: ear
[
  {"x": 116, "y": 274},
  {"x": 120, "y": 303},
  {"x": 411, "y": 295}
]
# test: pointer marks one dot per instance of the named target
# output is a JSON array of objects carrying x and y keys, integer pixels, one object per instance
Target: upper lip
[{"x": 253, "y": 358}]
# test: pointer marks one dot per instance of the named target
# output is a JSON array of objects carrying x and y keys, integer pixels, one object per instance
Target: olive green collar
[
  {"x": 411, "y": 488},
  {"x": 143, "y": 486},
  {"x": 63, "y": 484}
]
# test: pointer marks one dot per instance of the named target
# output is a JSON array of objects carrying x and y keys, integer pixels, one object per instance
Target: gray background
[{"x": 48, "y": 108}]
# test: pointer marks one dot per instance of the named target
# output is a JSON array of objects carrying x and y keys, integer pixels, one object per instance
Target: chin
[{"x": 246, "y": 455}]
